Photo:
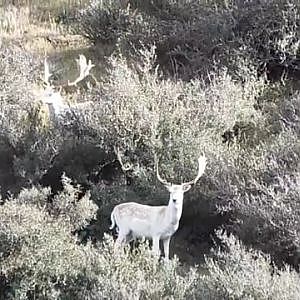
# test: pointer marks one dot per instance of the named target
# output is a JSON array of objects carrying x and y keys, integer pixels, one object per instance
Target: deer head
[{"x": 177, "y": 190}]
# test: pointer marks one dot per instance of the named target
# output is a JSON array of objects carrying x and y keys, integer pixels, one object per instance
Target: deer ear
[
  {"x": 186, "y": 187},
  {"x": 168, "y": 187}
]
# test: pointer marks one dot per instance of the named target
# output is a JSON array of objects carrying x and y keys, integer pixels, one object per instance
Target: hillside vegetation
[{"x": 171, "y": 80}]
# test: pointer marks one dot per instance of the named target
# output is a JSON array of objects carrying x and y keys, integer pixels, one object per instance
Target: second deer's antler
[{"x": 84, "y": 69}]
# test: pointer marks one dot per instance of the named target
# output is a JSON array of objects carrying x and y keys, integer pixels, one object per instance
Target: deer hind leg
[
  {"x": 120, "y": 240},
  {"x": 124, "y": 237},
  {"x": 119, "y": 243}
]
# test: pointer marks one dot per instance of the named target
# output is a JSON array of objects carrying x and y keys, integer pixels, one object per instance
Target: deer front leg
[
  {"x": 166, "y": 243},
  {"x": 155, "y": 246}
]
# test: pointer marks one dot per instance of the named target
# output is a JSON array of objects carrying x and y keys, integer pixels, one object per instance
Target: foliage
[
  {"x": 241, "y": 273},
  {"x": 41, "y": 259},
  {"x": 192, "y": 37},
  {"x": 39, "y": 254},
  {"x": 218, "y": 102},
  {"x": 145, "y": 115}
]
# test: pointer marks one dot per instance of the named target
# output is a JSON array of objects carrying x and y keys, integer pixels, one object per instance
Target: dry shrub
[
  {"x": 253, "y": 179},
  {"x": 140, "y": 109},
  {"x": 270, "y": 199},
  {"x": 144, "y": 115},
  {"x": 27, "y": 135},
  {"x": 21, "y": 127},
  {"x": 13, "y": 20}
]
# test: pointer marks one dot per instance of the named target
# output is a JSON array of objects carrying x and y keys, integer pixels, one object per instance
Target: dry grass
[
  {"x": 39, "y": 25},
  {"x": 17, "y": 24},
  {"x": 44, "y": 4}
]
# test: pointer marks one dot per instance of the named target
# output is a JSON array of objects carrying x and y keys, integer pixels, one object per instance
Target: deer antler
[
  {"x": 163, "y": 181},
  {"x": 84, "y": 69},
  {"x": 201, "y": 168}
]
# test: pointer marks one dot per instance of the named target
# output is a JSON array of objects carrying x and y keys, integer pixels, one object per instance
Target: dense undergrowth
[{"x": 185, "y": 77}]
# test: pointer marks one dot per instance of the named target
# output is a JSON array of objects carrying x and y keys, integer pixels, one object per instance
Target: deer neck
[{"x": 174, "y": 212}]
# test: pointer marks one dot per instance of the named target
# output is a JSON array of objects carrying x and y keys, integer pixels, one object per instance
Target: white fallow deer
[
  {"x": 51, "y": 95},
  {"x": 136, "y": 220}
]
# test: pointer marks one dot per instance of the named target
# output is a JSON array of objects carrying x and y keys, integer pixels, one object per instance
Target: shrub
[
  {"x": 241, "y": 273},
  {"x": 270, "y": 200},
  {"x": 146, "y": 110},
  {"x": 27, "y": 137},
  {"x": 110, "y": 17},
  {"x": 251, "y": 178},
  {"x": 18, "y": 71},
  {"x": 248, "y": 129},
  {"x": 145, "y": 115},
  {"x": 138, "y": 275},
  {"x": 13, "y": 20},
  {"x": 39, "y": 255},
  {"x": 21, "y": 125},
  {"x": 41, "y": 259},
  {"x": 194, "y": 37}
]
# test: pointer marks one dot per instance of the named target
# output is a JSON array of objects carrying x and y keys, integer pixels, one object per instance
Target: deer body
[
  {"x": 147, "y": 221},
  {"x": 136, "y": 220}
]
